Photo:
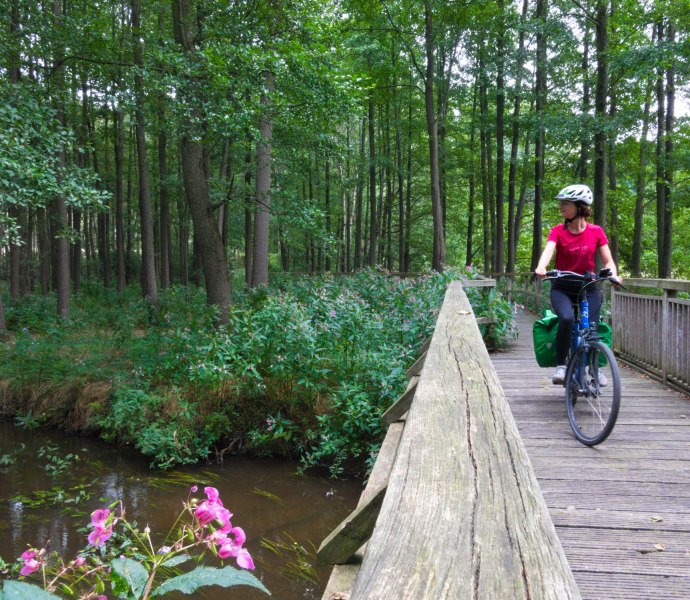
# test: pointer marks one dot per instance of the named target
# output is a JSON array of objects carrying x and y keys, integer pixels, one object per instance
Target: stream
[{"x": 50, "y": 483}]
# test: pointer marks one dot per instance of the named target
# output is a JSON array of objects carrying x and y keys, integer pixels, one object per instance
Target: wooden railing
[
  {"x": 651, "y": 324},
  {"x": 457, "y": 509},
  {"x": 651, "y": 331}
]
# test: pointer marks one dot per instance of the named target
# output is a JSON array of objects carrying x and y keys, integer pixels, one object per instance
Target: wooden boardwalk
[{"x": 621, "y": 509}]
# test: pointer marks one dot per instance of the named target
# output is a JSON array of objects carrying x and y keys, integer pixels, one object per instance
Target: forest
[{"x": 162, "y": 163}]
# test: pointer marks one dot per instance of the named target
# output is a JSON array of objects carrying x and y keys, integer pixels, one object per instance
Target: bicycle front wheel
[{"x": 593, "y": 393}]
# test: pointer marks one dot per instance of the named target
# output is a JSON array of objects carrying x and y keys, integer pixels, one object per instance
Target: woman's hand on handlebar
[{"x": 540, "y": 272}]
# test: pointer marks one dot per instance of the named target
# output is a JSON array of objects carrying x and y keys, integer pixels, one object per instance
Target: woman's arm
[
  {"x": 607, "y": 261},
  {"x": 545, "y": 258}
]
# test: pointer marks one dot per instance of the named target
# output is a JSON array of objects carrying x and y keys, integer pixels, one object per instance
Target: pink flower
[
  {"x": 232, "y": 548},
  {"x": 100, "y": 516},
  {"x": 244, "y": 560},
  {"x": 31, "y": 565},
  {"x": 228, "y": 550},
  {"x": 100, "y": 535},
  {"x": 213, "y": 495},
  {"x": 101, "y": 530}
]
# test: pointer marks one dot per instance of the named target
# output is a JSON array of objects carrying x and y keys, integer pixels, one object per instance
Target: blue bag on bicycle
[{"x": 544, "y": 335}]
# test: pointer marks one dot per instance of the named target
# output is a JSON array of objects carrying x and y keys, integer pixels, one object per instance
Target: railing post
[{"x": 666, "y": 328}]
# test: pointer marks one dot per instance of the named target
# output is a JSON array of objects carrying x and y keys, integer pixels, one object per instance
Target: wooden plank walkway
[{"x": 621, "y": 509}]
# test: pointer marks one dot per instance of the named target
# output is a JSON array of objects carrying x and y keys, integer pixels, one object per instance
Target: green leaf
[
  {"x": 176, "y": 560},
  {"x": 202, "y": 576},
  {"x": 19, "y": 590},
  {"x": 128, "y": 575}
]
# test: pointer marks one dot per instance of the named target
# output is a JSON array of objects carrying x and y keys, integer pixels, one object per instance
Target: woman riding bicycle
[{"x": 575, "y": 243}]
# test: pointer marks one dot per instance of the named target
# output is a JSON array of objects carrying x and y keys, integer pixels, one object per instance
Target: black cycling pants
[{"x": 562, "y": 302}]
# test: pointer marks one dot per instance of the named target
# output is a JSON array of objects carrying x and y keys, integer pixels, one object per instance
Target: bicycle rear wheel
[{"x": 593, "y": 393}]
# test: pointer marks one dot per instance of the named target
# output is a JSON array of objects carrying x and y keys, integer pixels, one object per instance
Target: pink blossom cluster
[
  {"x": 228, "y": 539},
  {"x": 32, "y": 561},
  {"x": 102, "y": 527}
]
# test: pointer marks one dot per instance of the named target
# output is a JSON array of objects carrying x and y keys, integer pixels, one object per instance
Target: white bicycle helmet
[{"x": 576, "y": 193}]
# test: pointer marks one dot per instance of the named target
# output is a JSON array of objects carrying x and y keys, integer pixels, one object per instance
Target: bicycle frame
[{"x": 579, "y": 337}]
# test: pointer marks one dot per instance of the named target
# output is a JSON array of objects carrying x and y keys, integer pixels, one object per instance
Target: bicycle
[{"x": 592, "y": 380}]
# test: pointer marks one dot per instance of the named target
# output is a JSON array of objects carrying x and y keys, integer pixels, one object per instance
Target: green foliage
[
  {"x": 203, "y": 576},
  {"x": 304, "y": 368},
  {"x": 31, "y": 174}
]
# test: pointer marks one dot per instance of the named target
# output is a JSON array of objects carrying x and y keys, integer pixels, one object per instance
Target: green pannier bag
[{"x": 544, "y": 334}]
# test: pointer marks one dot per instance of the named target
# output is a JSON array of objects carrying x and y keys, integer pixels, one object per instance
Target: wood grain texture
[
  {"x": 396, "y": 410},
  {"x": 463, "y": 516}
]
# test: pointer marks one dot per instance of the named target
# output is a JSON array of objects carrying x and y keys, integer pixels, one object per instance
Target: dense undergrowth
[{"x": 304, "y": 369}]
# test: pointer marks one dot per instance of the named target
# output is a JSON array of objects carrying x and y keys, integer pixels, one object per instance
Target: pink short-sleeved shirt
[{"x": 575, "y": 251}]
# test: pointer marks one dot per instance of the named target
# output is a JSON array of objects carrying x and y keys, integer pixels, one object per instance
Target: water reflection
[{"x": 268, "y": 500}]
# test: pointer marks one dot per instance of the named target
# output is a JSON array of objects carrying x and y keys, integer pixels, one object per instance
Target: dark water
[{"x": 267, "y": 499}]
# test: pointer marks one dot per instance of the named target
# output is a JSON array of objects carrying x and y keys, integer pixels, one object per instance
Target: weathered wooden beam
[
  {"x": 463, "y": 516},
  {"x": 416, "y": 368},
  {"x": 425, "y": 346},
  {"x": 354, "y": 531},
  {"x": 401, "y": 405},
  {"x": 343, "y": 576},
  {"x": 474, "y": 283},
  {"x": 486, "y": 320}
]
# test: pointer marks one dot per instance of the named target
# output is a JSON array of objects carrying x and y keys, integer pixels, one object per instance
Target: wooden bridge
[{"x": 481, "y": 491}]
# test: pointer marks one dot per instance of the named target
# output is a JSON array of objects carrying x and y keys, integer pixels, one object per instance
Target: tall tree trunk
[
  {"x": 373, "y": 220},
  {"x": 327, "y": 207},
  {"x": 500, "y": 158},
  {"x": 148, "y": 265},
  {"x": 527, "y": 178},
  {"x": 439, "y": 249},
  {"x": 59, "y": 207},
  {"x": 118, "y": 144},
  {"x": 613, "y": 178},
  {"x": 248, "y": 245},
  {"x": 660, "y": 156},
  {"x": 195, "y": 171},
  {"x": 227, "y": 179},
  {"x": 408, "y": 185},
  {"x": 515, "y": 140},
  {"x": 263, "y": 186},
  {"x": 14, "y": 211},
  {"x": 104, "y": 216},
  {"x": 469, "y": 254},
  {"x": 3, "y": 323},
  {"x": 640, "y": 188},
  {"x": 359, "y": 197},
  {"x": 347, "y": 200},
  {"x": 43, "y": 250},
  {"x": 600, "y": 141},
  {"x": 164, "y": 200},
  {"x": 540, "y": 105},
  {"x": 390, "y": 161},
  {"x": 399, "y": 168},
  {"x": 484, "y": 165},
  {"x": 668, "y": 162},
  {"x": 581, "y": 171}
]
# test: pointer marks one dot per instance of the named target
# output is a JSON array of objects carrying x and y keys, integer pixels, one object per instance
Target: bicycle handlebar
[{"x": 603, "y": 275}]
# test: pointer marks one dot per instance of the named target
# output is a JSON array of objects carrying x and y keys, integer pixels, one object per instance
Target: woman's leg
[{"x": 563, "y": 306}]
